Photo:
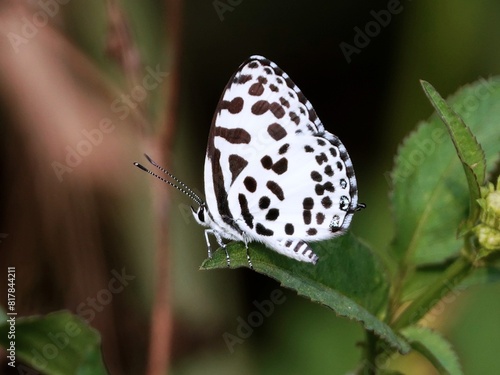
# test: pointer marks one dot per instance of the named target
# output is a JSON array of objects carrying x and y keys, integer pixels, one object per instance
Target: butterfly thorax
[{"x": 203, "y": 216}]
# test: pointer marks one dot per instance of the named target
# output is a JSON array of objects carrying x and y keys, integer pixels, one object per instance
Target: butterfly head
[{"x": 201, "y": 215}]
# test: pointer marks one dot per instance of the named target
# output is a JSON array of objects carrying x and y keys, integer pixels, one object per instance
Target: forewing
[{"x": 259, "y": 106}]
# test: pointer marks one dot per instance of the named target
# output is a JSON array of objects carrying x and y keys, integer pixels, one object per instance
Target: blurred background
[{"x": 87, "y": 87}]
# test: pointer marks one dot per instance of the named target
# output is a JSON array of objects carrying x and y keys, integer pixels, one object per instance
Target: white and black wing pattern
[{"x": 272, "y": 172}]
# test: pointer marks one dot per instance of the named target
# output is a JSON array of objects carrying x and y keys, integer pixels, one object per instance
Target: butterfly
[{"x": 273, "y": 174}]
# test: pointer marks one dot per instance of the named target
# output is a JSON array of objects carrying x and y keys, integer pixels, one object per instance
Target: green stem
[
  {"x": 370, "y": 367},
  {"x": 444, "y": 285}
]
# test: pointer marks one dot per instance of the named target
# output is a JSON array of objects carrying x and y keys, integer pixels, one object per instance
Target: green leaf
[
  {"x": 347, "y": 278},
  {"x": 447, "y": 283},
  {"x": 433, "y": 347},
  {"x": 420, "y": 281},
  {"x": 430, "y": 196},
  {"x": 58, "y": 343},
  {"x": 485, "y": 275},
  {"x": 468, "y": 149}
]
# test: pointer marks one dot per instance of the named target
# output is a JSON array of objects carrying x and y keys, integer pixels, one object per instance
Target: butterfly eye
[{"x": 201, "y": 214}]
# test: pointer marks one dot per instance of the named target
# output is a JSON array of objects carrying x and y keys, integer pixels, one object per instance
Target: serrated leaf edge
[
  {"x": 424, "y": 332},
  {"x": 391, "y": 337}
]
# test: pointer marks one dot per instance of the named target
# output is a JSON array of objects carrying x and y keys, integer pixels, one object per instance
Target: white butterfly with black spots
[{"x": 273, "y": 174}]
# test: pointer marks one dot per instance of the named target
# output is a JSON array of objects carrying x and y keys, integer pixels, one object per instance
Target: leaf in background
[
  {"x": 347, "y": 278},
  {"x": 430, "y": 196},
  {"x": 420, "y": 281},
  {"x": 468, "y": 149},
  {"x": 433, "y": 347},
  {"x": 58, "y": 343}
]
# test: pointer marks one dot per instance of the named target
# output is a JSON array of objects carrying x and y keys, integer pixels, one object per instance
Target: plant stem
[
  {"x": 370, "y": 367},
  {"x": 444, "y": 285}
]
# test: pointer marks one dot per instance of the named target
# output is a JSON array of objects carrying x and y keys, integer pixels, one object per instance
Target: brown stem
[{"x": 161, "y": 324}]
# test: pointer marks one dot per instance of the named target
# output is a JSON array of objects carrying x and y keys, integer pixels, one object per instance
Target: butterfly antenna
[
  {"x": 186, "y": 191},
  {"x": 187, "y": 188}
]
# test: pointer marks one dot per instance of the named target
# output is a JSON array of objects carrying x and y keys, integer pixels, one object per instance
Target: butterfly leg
[
  {"x": 248, "y": 258},
  {"x": 219, "y": 241},
  {"x": 246, "y": 240},
  {"x": 209, "y": 249}
]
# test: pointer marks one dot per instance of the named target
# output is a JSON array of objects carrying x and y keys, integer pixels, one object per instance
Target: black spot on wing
[
  {"x": 321, "y": 158},
  {"x": 289, "y": 229},
  {"x": 272, "y": 214},
  {"x": 329, "y": 170},
  {"x": 236, "y": 165},
  {"x": 234, "y": 136},
  {"x": 344, "y": 203},
  {"x": 283, "y": 149},
  {"x": 326, "y": 202},
  {"x": 307, "y": 216},
  {"x": 257, "y": 89},
  {"x": 245, "y": 212},
  {"x": 277, "y": 110},
  {"x": 276, "y": 131},
  {"x": 285, "y": 102},
  {"x": 266, "y": 162},
  {"x": 312, "y": 231},
  {"x": 320, "y": 188},
  {"x": 280, "y": 166},
  {"x": 264, "y": 202},
  {"x": 294, "y": 118},
  {"x": 263, "y": 231},
  {"x": 316, "y": 176},
  {"x": 276, "y": 190},
  {"x": 308, "y": 203},
  {"x": 320, "y": 218},
  {"x": 250, "y": 183},
  {"x": 242, "y": 78},
  {"x": 219, "y": 189},
  {"x": 234, "y": 106},
  {"x": 262, "y": 106}
]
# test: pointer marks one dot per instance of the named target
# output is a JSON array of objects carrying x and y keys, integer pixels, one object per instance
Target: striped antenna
[{"x": 182, "y": 188}]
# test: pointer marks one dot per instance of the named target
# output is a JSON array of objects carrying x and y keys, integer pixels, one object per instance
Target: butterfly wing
[
  {"x": 297, "y": 190},
  {"x": 266, "y": 141}
]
